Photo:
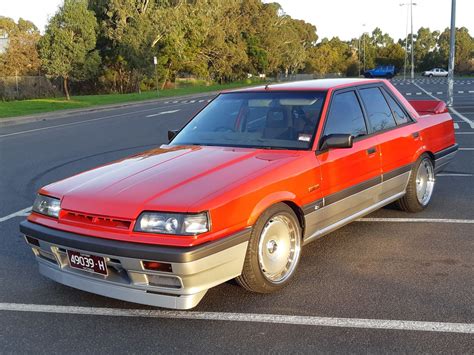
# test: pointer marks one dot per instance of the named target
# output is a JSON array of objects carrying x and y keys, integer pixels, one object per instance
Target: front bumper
[{"x": 193, "y": 270}]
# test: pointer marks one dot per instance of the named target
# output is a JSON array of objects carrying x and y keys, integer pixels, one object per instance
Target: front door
[{"x": 351, "y": 176}]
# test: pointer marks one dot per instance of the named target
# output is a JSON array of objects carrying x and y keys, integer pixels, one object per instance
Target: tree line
[{"x": 105, "y": 46}]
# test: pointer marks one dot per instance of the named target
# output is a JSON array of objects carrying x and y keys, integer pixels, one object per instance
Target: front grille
[{"x": 103, "y": 221}]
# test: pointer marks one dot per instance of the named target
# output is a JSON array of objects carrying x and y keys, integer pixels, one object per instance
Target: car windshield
[{"x": 277, "y": 120}]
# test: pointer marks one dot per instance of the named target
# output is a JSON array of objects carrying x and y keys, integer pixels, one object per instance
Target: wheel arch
[{"x": 285, "y": 197}]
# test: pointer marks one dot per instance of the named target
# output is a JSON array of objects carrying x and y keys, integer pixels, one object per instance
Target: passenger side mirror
[
  {"x": 337, "y": 141},
  {"x": 172, "y": 133}
]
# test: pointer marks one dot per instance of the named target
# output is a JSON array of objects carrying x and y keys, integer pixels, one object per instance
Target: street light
[
  {"x": 363, "y": 37},
  {"x": 452, "y": 41},
  {"x": 411, "y": 4}
]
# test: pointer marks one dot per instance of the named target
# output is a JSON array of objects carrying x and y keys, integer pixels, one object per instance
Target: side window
[
  {"x": 345, "y": 116},
  {"x": 400, "y": 116},
  {"x": 380, "y": 115}
]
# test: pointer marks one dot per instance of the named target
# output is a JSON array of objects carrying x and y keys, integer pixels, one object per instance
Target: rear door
[
  {"x": 350, "y": 176},
  {"x": 396, "y": 136}
]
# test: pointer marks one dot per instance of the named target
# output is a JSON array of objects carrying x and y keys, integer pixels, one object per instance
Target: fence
[{"x": 28, "y": 87}]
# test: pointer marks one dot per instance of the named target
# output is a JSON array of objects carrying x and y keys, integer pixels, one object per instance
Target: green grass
[{"x": 29, "y": 107}]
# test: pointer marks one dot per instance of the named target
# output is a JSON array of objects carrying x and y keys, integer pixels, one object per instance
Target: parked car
[
  {"x": 383, "y": 71},
  {"x": 239, "y": 190},
  {"x": 436, "y": 72}
]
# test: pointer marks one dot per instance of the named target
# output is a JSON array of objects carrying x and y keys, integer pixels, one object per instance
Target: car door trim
[{"x": 354, "y": 189}]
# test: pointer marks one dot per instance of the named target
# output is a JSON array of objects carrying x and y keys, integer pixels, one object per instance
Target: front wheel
[
  {"x": 420, "y": 186},
  {"x": 273, "y": 252}
]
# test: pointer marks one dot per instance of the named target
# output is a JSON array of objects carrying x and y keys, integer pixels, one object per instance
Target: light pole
[
  {"x": 411, "y": 4},
  {"x": 406, "y": 44},
  {"x": 358, "y": 56},
  {"x": 451, "y": 54},
  {"x": 155, "y": 62},
  {"x": 412, "y": 49},
  {"x": 363, "y": 37}
]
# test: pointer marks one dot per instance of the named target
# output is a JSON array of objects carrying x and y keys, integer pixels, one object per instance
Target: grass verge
[{"x": 29, "y": 107}]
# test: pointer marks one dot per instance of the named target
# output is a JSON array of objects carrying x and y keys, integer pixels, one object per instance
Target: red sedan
[{"x": 239, "y": 190}]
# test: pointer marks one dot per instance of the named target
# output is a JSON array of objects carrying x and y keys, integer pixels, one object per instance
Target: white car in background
[{"x": 436, "y": 72}]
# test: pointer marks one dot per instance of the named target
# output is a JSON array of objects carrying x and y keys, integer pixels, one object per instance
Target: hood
[{"x": 170, "y": 178}]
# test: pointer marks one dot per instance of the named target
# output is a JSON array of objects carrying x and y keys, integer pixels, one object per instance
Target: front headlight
[
  {"x": 49, "y": 206},
  {"x": 172, "y": 223}
]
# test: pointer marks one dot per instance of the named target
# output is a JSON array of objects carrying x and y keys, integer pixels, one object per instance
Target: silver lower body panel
[{"x": 127, "y": 280}]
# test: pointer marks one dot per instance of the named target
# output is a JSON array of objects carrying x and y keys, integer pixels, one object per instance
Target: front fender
[{"x": 268, "y": 201}]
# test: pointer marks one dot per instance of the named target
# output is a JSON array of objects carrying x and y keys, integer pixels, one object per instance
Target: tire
[
  {"x": 277, "y": 229},
  {"x": 431, "y": 75},
  {"x": 420, "y": 186}
]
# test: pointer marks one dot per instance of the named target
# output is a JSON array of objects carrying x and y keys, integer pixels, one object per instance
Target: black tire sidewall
[{"x": 264, "y": 285}]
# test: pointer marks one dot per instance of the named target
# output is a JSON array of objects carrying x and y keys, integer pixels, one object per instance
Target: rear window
[{"x": 380, "y": 115}]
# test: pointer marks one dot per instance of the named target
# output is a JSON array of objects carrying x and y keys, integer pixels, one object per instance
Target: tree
[
  {"x": 21, "y": 56},
  {"x": 67, "y": 49},
  {"x": 464, "y": 49},
  {"x": 424, "y": 45}
]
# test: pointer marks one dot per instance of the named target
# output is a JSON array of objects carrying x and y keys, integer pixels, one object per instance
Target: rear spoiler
[{"x": 429, "y": 107}]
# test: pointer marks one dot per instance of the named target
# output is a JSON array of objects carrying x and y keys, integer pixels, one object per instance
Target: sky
[{"x": 343, "y": 18}]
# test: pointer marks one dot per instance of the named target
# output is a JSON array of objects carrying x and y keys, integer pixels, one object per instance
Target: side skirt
[{"x": 347, "y": 220}]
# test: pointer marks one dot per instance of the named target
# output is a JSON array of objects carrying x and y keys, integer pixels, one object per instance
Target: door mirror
[
  {"x": 337, "y": 141},
  {"x": 172, "y": 133}
]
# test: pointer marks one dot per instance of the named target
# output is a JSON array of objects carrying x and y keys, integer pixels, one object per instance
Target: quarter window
[
  {"x": 380, "y": 115},
  {"x": 345, "y": 116},
  {"x": 399, "y": 115}
]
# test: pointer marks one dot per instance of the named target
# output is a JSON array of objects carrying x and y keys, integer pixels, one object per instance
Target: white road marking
[
  {"x": 162, "y": 113},
  {"x": 455, "y": 174},
  {"x": 466, "y": 328},
  {"x": 439, "y": 92},
  {"x": 465, "y": 119},
  {"x": 21, "y": 213},
  {"x": 417, "y": 220},
  {"x": 466, "y": 149},
  {"x": 201, "y": 100},
  {"x": 471, "y": 91},
  {"x": 464, "y": 133},
  {"x": 80, "y": 122},
  {"x": 456, "y": 126},
  {"x": 461, "y": 92},
  {"x": 408, "y": 93}
]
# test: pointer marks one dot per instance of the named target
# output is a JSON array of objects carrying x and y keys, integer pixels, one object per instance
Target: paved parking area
[{"x": 394, "y": 282}]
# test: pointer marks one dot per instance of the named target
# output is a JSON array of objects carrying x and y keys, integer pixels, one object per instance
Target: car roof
[{"x": 318, "y": 84}]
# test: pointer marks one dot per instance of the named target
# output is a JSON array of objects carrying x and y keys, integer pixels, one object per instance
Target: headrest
[{"x": 276, "y": 118}]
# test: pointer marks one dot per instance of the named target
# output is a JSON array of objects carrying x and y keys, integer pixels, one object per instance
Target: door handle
[
  {"x": 372, "y": 150},
  {"x": 416, "y": 135}
]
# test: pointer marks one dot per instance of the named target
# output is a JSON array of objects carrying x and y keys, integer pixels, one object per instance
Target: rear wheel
[
  {"x": 420, "y": 186},
  {"x": 431, "y": 75},
  {"x": 273, "y": 252}
]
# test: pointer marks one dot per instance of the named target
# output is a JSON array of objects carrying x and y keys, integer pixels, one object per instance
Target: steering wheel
[{"x": 224, "y": 129}]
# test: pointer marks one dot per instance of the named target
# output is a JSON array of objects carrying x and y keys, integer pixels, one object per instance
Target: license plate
[{"x": 87, "y": 262}]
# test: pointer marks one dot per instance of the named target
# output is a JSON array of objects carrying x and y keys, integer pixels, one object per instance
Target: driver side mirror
[
  {"x": 337, "y": 141},
  {"x": 172, "y": 133}
]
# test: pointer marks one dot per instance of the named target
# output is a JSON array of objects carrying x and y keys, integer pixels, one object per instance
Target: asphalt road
[{"x": 378, "y": 271}]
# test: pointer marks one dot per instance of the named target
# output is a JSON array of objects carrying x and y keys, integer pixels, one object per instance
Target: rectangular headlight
[
  {"x": 49, "y": 206},
  {"x": 172, "y": 223}
]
